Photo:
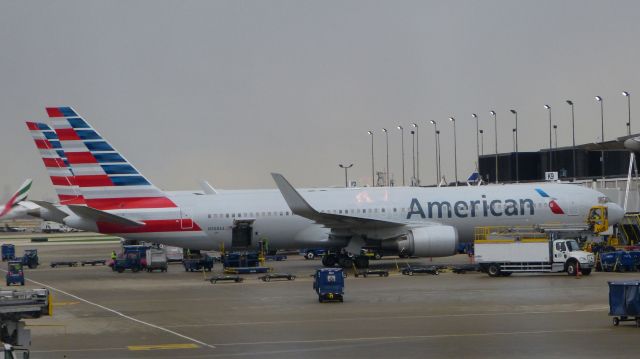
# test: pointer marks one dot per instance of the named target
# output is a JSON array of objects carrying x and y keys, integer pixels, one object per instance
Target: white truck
[
  {"x": 156, "y": 259},
  {"x": 504, "y": 253}
]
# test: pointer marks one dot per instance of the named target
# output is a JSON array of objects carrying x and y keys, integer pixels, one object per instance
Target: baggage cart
[
  {"x": 64, "y": 263},
  {"x": 329, "y": 284},
  {"x": 624, "y": 301},
  {"x": 225, "y": 278},
  {"x": 368, "y": 272},
  {"x": 271, "y": 276},
  {"x": 433, "y": 270},
  {"x": 197, "y": 264},
  {"x": 8, "y": 252},
  {"x": 246, "y": 270},
  {"x": 93, "y": 262}
]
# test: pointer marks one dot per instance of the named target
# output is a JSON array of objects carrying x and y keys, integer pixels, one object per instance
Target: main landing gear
[{"x": 344, "y": 260}]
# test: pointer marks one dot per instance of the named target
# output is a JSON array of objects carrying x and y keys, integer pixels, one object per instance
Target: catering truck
[{"x": 501, "y": 252}]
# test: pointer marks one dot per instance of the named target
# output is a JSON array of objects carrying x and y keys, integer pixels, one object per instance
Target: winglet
[{"x": 296, "y": 203}]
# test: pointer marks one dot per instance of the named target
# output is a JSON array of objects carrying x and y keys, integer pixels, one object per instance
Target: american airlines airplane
[{"x": 101, "y": 191}]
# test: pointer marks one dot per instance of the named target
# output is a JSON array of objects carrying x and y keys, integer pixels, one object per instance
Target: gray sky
[{"x": 230, "y": 91}]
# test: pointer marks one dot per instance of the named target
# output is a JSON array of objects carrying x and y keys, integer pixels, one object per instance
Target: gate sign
[{"x": 551, "y": 176}]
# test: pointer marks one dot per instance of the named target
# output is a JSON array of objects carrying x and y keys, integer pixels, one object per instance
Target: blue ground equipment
[
  {"x": 131, "y": 260},
  {"x": 15, "y": 275},
  {"x": 329, "y": 284},
  {"x": 30, "y": 258},
  {"x": 624, "y": 301},
  {"x": 197, "y": 264},
  {"x": 8, "y": 252},
  {"x": 234, "y": 260}
]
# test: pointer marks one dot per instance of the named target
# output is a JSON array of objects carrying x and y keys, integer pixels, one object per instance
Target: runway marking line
[
  {"x": 121, "y": 314},
  {"x": 417, "y": 337},
  {"x": 163, "y": 346}
]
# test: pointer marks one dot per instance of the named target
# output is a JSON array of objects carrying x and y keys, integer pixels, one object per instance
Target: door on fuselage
[
  {"x": 185, "y": 221},
  {"x": 241, "y": 234}
]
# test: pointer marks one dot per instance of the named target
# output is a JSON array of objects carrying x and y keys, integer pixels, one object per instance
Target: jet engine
[{"x": 433, "y": 241}]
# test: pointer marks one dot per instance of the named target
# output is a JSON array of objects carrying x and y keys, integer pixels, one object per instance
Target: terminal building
[{"x": 587, "y": 170}]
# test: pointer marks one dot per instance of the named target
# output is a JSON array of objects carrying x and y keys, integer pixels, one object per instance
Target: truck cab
[{"x": 568, "y": 257}]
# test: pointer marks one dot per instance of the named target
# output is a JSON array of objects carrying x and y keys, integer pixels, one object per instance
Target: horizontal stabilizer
[
  {"x": 55, "y": 214},
  {"x": 102, "y": 216}
]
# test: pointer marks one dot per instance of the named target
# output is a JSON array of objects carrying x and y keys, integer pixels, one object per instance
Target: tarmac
[{"x": 99, "y": 313}]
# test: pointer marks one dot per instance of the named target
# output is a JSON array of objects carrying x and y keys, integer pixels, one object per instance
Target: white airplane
[
  {"x": 427, "y": 222},
  {"x": 14, "y": 207}
]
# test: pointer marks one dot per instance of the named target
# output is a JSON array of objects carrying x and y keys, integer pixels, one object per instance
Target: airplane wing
[
  {"x": 302, "y": 208},
  {"x": 624, "y": 143}
]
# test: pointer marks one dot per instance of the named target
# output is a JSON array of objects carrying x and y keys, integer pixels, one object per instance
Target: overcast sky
[{"x": 229, "y": 91}]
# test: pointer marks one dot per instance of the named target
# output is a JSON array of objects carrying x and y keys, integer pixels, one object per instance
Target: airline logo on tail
[
  {"x": 553, "y": 205},
  {"x": 56, "y": 163},
  {"x": 106, "y": 179},
  {"x": 20, "y": 195}
]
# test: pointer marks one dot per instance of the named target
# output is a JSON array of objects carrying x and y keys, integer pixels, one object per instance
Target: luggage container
[
  {"x": 197, "y": 264},
  {"x": 156, "y": 259},
  {"x": 624, "y": 301},
  {"x": 8, "y": 252},
  {"x": 329, "y": 284}
]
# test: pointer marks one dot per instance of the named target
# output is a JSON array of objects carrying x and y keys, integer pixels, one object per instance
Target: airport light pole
[
  {"x": 413, "y": 157},
  {"x": 477, "y": 141},
  {"x": 515, "y": 130},
  {"x": 513, "y": 139},
  {"x": 438, "y": 143},
  {"x": 455, "y": 150},
  {"x": 628, "y": 96},
  {"x": 402, "y": 143},
  {"x": 495, "y": 129},
  {"x": 417, "y": 153},
  {"x": 346, "y": 177},
  {"x": 550, "y": 145},
  {"x": 435, "y": 136},
  {"x": 481, "y": 144},
  {"x": 599, "y": 99},
  {"x": 373, "y": 175},
  {"x": 573, "y": 132},
  {"x": 386, "y": 135}
]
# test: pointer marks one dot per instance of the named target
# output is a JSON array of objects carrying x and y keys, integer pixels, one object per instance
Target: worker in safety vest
[{"x": 113, "y": 255}]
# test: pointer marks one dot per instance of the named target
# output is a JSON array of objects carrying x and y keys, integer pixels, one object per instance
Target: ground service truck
[{"x": 501, "y": 252}]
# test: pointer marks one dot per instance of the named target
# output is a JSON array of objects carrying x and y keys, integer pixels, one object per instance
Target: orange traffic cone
[{"x": 578, "y": 272}]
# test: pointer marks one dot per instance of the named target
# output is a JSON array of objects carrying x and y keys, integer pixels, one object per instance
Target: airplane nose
[{"x": 616, "y": 213}]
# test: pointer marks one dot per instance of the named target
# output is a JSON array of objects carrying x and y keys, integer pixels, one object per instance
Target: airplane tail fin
[
  {"x": 19, "y": 195},
  {"x": 105, "y": 178},
  {"x": 56, "y": 163}
]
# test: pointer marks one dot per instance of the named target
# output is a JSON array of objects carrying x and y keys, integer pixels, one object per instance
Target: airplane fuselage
[{"x": 208, "y": 221}]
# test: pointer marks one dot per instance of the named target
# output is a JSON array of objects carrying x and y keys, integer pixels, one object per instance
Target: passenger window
[
  {"x": 340, "y": 211},
  {"x": 383, "y": 210}
]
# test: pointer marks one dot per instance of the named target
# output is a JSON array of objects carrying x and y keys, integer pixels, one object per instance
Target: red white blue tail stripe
[
  {"x": 105, "y": 178},
  {"x": 56, "y": 163}
]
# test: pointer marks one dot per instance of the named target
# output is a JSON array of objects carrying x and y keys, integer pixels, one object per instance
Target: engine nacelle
[{"x": 434, "y": 241}]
